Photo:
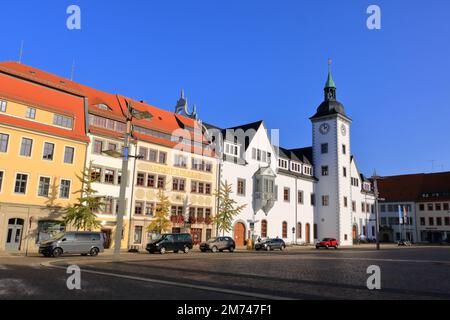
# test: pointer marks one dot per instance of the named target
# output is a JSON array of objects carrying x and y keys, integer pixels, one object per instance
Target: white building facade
[{"x": 299, "y": 195}]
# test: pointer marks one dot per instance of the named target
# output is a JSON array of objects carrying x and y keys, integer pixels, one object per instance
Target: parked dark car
[
  {"x": 171, "y": 242},
  {"x": 270, "y": 244},
  {"x": 327, "y": 243},
  {"x": 218, "y": 244},
  {"x": 79, "y": 242}
]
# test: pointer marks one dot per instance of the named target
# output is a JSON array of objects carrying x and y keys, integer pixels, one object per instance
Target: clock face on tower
[
  {"x": 344, "y": 130},
  {"x": 324, "y": 128}
]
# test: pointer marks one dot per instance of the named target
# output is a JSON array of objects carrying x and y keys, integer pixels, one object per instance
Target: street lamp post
[
  {"x": 375, "y": 179},
  {"x": 130, "y": 114}
]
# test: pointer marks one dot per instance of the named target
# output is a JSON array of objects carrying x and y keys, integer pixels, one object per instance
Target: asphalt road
[{"x": 406, "y": 273}]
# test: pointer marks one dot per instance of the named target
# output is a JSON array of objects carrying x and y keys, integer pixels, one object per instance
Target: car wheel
[
  {"x": 214, "y": 249},
  {"x": 162, "y": 250},
  {"x": 327, "y": 247},
  {"x": 186, "y": 250},
  {"x": 231, "y": 249},
  {"x": 268, "y": 248},
  {"x": 282, "y": 248},
  {"x": 57, "y": 252},
  {"x": 336, "y": 247},
  {"x": 94, "y": 252}
]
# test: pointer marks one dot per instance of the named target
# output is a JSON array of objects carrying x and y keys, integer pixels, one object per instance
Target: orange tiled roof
[
  {"x": 32, "y": 94},
  {"x": 162, "y": 121}
]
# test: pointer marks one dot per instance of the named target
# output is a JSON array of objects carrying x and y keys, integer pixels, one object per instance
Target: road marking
[{"x": 178, "y": 284}]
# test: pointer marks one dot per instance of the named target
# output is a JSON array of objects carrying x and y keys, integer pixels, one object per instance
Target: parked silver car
[{"x": 83, "y": 243}]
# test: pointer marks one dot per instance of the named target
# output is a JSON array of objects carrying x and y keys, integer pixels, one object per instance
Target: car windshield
[
  {"x": 58, "y": 236},
  {"x": 212, "y": 240}
]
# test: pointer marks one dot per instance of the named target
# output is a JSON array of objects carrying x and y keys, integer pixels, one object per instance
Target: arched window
[
  {"x": 264, "y": 229},
  {"x": 284, "y": 229},
  {"x": 299, "y": 230}
]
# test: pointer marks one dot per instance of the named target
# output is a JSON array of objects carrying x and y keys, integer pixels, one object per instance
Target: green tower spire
[{"x": 330, "y": 87}]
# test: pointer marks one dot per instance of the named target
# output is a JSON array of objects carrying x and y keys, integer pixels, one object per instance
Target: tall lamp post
[
  {"x": 375, "y": 179},
  {"x": 130, "y": 114}
]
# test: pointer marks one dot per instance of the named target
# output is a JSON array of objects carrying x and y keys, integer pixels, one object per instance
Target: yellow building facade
[{"x": 42, "y": 150}]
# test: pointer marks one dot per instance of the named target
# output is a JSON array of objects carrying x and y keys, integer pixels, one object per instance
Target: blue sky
[{"x": 246, "y": 60}]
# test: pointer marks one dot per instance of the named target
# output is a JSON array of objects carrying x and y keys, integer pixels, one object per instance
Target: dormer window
[
  {"x": 283, "y": 164},
  {"x": 307, "y": 170},
  {"x": 103, "y": 106},
  {"x": 296, "y": 167},
  {"x": 231, "y": 149}
]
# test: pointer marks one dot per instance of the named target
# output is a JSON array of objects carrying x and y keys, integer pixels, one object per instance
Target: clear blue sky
[{"x": 246, "y": 60}]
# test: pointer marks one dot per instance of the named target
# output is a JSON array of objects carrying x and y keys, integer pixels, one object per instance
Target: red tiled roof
[
  {"x": 162, "y": 121},
  {"x": 411, "y": 187},
  {"x": 32, "y": 94}
]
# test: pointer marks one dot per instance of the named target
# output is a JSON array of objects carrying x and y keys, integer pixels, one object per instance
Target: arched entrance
[
  {"x": 239, "y": 234},
  {"x": 307, "y": 233},
  {"x": 14, "y": 234},
  {"x": 299, "y": 230}
]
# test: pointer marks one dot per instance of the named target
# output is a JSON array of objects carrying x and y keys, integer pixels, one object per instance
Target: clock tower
[{"x": 332, "y": 159}]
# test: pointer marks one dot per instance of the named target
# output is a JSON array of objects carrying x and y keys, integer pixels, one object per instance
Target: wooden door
[{"x": 239, "y": 234}]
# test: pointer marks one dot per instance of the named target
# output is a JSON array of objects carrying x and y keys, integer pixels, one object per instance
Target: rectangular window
[
  {"x": 143, "y": 153},
  {"x": 49, "y": 151},
  {"x": 324, "y": 148},
  {"x": 140, "y": 179},
  {"x": 137, "y": 234},
  {"x": 344, "y": 171},
  {"x": 3, "y": 105},
  {"x": 149, "y": 208},
  {"x": 421, "y": 207},
  {"x": 4, "y": 138},
  {"x": 447, "y": 221},
  {"x": 438, "y": 207},
  {"x": 325, "y": 201},
  {"x": 345, "y": 202},
  {"x": 44, "y": 186},
  {"x": 96, "y": 174},
  {"x": 363, "y": 207},
  {"x": 64, "y": 190},
  {"x": 324, "y": 170},
  {"x": 300, "y": 197},
  {"x": 313, "y": 199},
  {"x": 201, "y": 187},
  {"x": 138, "y": 207},
  {"x": 286, "y": 194},
  {"x": 354, "y": 206},
  {"x": 207, "y": 188},
  {"x": 151, "y": 181},
  {"x": 153, "y": 155},
  {"x": 31, "y": 113},
  {"x": 21, "y": 183},
  {"x": 178, "y": 184},
  {"x": 161, "y": 182},
  {"x": 98, "y": 146},
  {"x": 422, "y": 221},
  {"x": 446, "y": 206},
  {"x": 194, "y": 186},
  {"x": 112, "y": 146},
  {"x": 180, "y": 161},
  {"x": 241, "y": 187},
  {"x": 62, "y": 121},
  {"x": 1, "y": 179},
  {"x": 68, "y": 155},
  {"x": 162, "y": 157},
  {"x": 431, "y": 221},
  {"x": 430, "y": 207},
  {"x": 25, "y": 147},
  {"x": 109, "y": 176},
  {"x": 344, "y": 149},
  {"x": 439, "y": 221}
]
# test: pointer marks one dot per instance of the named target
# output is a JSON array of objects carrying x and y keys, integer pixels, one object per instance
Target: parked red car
[{"x": 327, "y": 243}]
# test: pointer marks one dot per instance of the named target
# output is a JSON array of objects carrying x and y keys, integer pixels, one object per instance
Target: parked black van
[{"x": 171, "y": 242}]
